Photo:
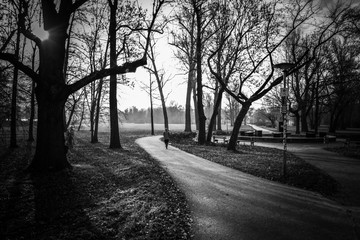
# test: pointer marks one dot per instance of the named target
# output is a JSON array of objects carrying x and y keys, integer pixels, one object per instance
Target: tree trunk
[
  {"x": 215, "y": 113},
  {"x": 188, "y": 103},
  {"x": 82, "y": 115},
  {"x": 317, "y": 106},
  {"x": 195, "y": 106},
  {"x": 297, "y": 122},
  {"x": 51, "y": 95},
  {"x": 199, "y": 49},
  {"x": 303, "y": 118},
  {"x": 237, "y": 124},
  {"x": 151, "y": 109},
  {"x": 97, "y": 111},
  {"x": 92, "y": 111},
  {"x": 114, "y": 122},
  {"x": 32, "y": 114},
  {"x": 219, "y": 127},
  {"x": 13, "y": 140},
  {"x": 72, "y": 111},
  {"x": 50, "y": 151}
]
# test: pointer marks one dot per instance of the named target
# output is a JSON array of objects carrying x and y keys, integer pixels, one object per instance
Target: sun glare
[{"x": 41, "y": 33}]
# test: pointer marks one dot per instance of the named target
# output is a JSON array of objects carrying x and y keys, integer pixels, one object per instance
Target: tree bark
[
  {"x": 195, "y": 105},
  {"x": 215, "y": 113},
  {"x": 199, "y": 48},
  {"x": 219, "y": 127},
  {"x": 32, "y": 113},
  {"x": 97, "y": 112},
  {"x": 303, "y": 118},
  {"x": 237, "y": 124},
  {"x": 50, "y": 151},
  {"x": 13, "y": 138},
  {"x": 188, "y": 102},
  {"x": 151, "y": 108},
  {"x": 114, "y": 122}
]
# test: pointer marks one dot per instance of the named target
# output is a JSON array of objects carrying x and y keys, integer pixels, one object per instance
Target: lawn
[
  {"x": 265, "y": 163},
  {"x": 350, "y": 151},
  {"x": 108, "y": 194}
]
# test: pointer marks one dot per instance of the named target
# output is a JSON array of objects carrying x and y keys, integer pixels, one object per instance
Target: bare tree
[
  {"x": 184, "y": 40},
  {"x": 52, "y": 92},
  {"x": 259, "y": 44}
]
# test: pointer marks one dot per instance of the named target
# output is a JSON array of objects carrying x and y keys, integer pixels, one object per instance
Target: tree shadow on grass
[
  {"x": 44, "y": 206},
  {"x": 59, "y": 207}
]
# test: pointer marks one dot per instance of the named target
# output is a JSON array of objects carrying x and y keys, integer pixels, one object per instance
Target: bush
[{"x": 176, "y": 136}]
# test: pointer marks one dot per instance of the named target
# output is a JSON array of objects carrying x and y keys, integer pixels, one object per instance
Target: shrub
[{"x": 176, "y": 136}]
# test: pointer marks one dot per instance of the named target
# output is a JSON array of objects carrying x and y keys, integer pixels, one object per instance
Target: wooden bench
[
  {"x": 348, "y": 142},
  {"x": 216, "y": 138},
  {"x": 252, "y": 141}
]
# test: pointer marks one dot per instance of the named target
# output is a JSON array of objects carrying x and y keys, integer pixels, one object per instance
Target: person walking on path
[{"x": 166, "y": 137}]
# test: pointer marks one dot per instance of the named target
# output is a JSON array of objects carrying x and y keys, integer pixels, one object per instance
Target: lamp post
[{"x": 284, "y": 92}]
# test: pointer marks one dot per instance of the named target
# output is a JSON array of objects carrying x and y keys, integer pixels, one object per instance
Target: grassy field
[
  {"x": 108, "y": 194},
  {"x": 122, "y": 194}
]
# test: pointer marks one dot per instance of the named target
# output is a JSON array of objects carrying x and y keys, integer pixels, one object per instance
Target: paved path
[{"x": 228, "y": 204}]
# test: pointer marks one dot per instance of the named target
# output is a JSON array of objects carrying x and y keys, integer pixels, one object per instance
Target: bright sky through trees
[{"x": 135, "y": 96}]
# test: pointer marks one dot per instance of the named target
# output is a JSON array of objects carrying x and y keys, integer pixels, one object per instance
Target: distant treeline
[{"x": 176, "y": 115}]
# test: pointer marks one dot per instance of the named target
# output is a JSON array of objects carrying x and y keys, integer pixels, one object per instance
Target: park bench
[
  {"x": 216, "y": 138},
  {"x": 251, "y": 139},
  {"x": 280, "y": 134},
  {"x": 348, "y": 142}
]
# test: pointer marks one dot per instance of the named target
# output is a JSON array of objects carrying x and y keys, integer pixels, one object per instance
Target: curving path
[{"x": 228, "y": 204}]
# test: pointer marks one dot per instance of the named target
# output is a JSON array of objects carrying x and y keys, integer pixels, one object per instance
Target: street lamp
[{"x": 284, "y": 92}]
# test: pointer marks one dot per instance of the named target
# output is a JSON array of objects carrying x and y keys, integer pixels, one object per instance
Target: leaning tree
[
  {"x": 51, "y": 88},
  {"x": 260, "y": 45}
]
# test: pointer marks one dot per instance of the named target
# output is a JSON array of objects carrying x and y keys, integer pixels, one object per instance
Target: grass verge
[
  {"x": 265, "y": 163},
  {"x": 352, "y": 151},
  {"x": 108, "y": 194}
]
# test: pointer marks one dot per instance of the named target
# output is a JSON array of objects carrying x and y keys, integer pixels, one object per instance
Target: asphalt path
[{"x": 229, "y": 204}]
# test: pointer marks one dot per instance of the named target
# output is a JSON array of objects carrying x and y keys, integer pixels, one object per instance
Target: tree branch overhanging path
[{"x": 51, "y": 89}]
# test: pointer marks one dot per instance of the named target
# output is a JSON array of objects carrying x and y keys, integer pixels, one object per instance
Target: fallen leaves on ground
[{"x": 108, "y": 194}]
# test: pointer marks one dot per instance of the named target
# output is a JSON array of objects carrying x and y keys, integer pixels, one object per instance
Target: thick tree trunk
[
  {"x": 114, "y": 122},
  {"x": 219, "y": 127},
  {"x": 237, "y": 124},
  {"x": 304, "y": 123},
  {"x": 297, "y": 122},
  {"x": 51, "y": 96},
  {"x": 50, "y": 151}
]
